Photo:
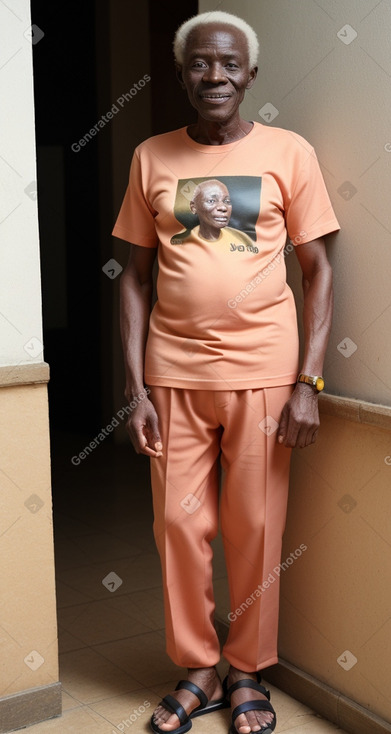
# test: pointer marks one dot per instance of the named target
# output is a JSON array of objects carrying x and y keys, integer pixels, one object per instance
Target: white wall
[
  {"x": 28, "y": 643},
  {"x": 20, "y": 295},
  {"x": 338, "y": 96}
]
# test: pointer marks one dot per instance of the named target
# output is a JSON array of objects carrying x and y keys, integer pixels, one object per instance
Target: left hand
[{"x": 299, "y": 422}]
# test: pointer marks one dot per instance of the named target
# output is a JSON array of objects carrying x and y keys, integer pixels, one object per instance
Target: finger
[
  {"x": 153, "y": 438},
  {"x": 152, "y": 432},
  {"x": 142, "y": 447},
  {"x": 305, "y": 437},
  {"x": 139, "y": 439},
  {"x": 151, "y": 452},
  {"x": 153, "y": 445},
  {"x": 281, "y": 433},
  {"x": 292, "y": 434},
  {"x": 149, "y": 447}
]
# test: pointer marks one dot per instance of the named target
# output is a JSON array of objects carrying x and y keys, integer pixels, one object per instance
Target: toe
[
  {"x": 242, "y": 724},
  {"x": 164, "y": 720},
  {"x": 264, "y": 719},
  {"x": 167, "y": 725},
  {"x": 253, "y": 721}
]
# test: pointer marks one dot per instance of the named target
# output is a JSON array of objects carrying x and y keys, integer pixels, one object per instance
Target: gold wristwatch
[{"x": 316, "y": 381}]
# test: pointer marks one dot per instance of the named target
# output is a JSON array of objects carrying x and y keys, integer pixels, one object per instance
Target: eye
[
  {"x": 227, "y": 201},
  {"x": 231, "y": 65},
  {"x": 198, "y": 65}
]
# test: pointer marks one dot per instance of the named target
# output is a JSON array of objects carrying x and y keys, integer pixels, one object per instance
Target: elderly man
[
  {"x": 223, "y": 381},
  {"x": 211, "y": 203}
]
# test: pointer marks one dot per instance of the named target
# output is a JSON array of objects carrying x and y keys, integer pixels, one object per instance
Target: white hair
[
  {"x": 216, "y": 16},
  {"x": 203, "y": 184}
]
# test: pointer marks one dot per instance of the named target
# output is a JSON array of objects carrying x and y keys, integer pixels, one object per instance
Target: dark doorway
[
  {"x": 72, "y": 90},
  {"x": 65, "y": 105}
]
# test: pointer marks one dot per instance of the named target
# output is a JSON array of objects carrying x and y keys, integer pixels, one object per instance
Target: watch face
[{"x": 319, "y": 383}]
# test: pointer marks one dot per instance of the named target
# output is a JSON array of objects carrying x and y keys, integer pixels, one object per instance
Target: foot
[
  {"x": 207, "y": 679},
  {"x": 252, "y": 720}
]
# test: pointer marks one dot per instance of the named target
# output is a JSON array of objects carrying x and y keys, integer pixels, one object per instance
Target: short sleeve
[
  {"x": 309, "y": 213},
  {"x": 136, "y": 219}
]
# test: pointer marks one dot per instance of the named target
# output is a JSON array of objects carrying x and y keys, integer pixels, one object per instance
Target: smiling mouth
[{"x": 215, "y": 96}]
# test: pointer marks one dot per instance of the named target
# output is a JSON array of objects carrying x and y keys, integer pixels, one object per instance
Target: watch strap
[{"x": 311, "y": 380}]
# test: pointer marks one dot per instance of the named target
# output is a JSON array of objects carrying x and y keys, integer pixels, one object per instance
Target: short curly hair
[{"x": 216, "y": 16}]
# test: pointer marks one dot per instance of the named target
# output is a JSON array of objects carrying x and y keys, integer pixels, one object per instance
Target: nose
[
  {"x": 222, "y": 206},
  {"x": 214, "y": 73}
]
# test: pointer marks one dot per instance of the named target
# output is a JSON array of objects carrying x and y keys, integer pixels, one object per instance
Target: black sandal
[
  {"x": 174, "y": 707},
  {"x": 251, "y": 705}
]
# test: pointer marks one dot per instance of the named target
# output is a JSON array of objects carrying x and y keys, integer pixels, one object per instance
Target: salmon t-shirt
[{"x": 220, "y": 216}]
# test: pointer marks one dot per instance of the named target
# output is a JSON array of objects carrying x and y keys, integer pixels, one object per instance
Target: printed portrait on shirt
[{"x": 223, "y": 209}]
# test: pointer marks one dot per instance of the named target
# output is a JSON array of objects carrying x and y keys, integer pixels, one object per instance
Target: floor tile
[
  {"x": 69, "y": 526},
  {"x": 143, "y": 606},
  {"x": 78, "y": 721},
  {"x": 101, "y": 621},
  {"x": 131, "y": 710},
  {"x": 88, "y": 677},
  {"x": 102, "y": 547},
  {"x": 67, "y": 595},
  {"x": 143, "y": 656},
  {"x": 136, "y": 572},
  {"x": 290, "y": 713},
  {"x": 68, "y": 642},
  {"x": 69, "y": 702}
]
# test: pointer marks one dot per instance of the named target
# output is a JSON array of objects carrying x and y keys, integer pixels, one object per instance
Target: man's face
[
  {"x": 212, "y": 205},
  {"x": 216, "y": 71}
]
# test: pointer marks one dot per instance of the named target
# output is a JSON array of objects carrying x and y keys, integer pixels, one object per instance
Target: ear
[
  {"x": 178, "y": 72},
  {"x": 252, "y": 77},
  {"x": 193, "y": 208}
]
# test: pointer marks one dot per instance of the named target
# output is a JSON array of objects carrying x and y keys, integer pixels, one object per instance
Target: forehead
[
  {"x": 212, "y": 189},
  {"x": 215, "y": 37}
]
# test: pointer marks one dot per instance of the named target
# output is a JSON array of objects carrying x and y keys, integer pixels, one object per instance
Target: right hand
[{"x": 143, "y": 428}]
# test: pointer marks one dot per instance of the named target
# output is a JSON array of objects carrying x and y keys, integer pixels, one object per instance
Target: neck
[
  {"x": 209, "y": 233},
  {"x": 219, "y": 133}
]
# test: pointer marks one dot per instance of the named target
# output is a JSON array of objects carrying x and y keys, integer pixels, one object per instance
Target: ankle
[
  {"x": 236, "y": 673},
  {"x": 202, "y": 673}
]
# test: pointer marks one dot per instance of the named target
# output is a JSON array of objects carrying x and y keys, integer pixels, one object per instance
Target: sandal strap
[
  {"x": 193, "y": 688},
  {"x": 170, "y": 703},
  {"x": 248, "y": 683},
  {"x": 252, "y": 706}
]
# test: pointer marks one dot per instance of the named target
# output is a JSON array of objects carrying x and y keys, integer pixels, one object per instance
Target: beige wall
[
  {"x": 28, "y": 640},
  {"x": 336, "y": 596}
]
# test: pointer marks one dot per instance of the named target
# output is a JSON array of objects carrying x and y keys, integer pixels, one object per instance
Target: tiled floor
[{"x": 113, "y": 665}]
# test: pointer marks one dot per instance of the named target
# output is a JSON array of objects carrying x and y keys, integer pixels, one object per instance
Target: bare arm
[
  {"x": 135, "y": 306},
  {"x": 300, "y": 416}
]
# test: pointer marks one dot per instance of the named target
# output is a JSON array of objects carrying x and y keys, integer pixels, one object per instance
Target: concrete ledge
[
  {"x": 332, "y": 705},
  {"x": 24, "y": 374},
  {"x": 356, "y": 410},
  {"x": 29, "y": 707}
]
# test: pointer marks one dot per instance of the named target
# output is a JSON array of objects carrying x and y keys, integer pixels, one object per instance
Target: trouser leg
[
  {"x": 253, "y": 513},
  {"x": 185, "y": 501}
]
